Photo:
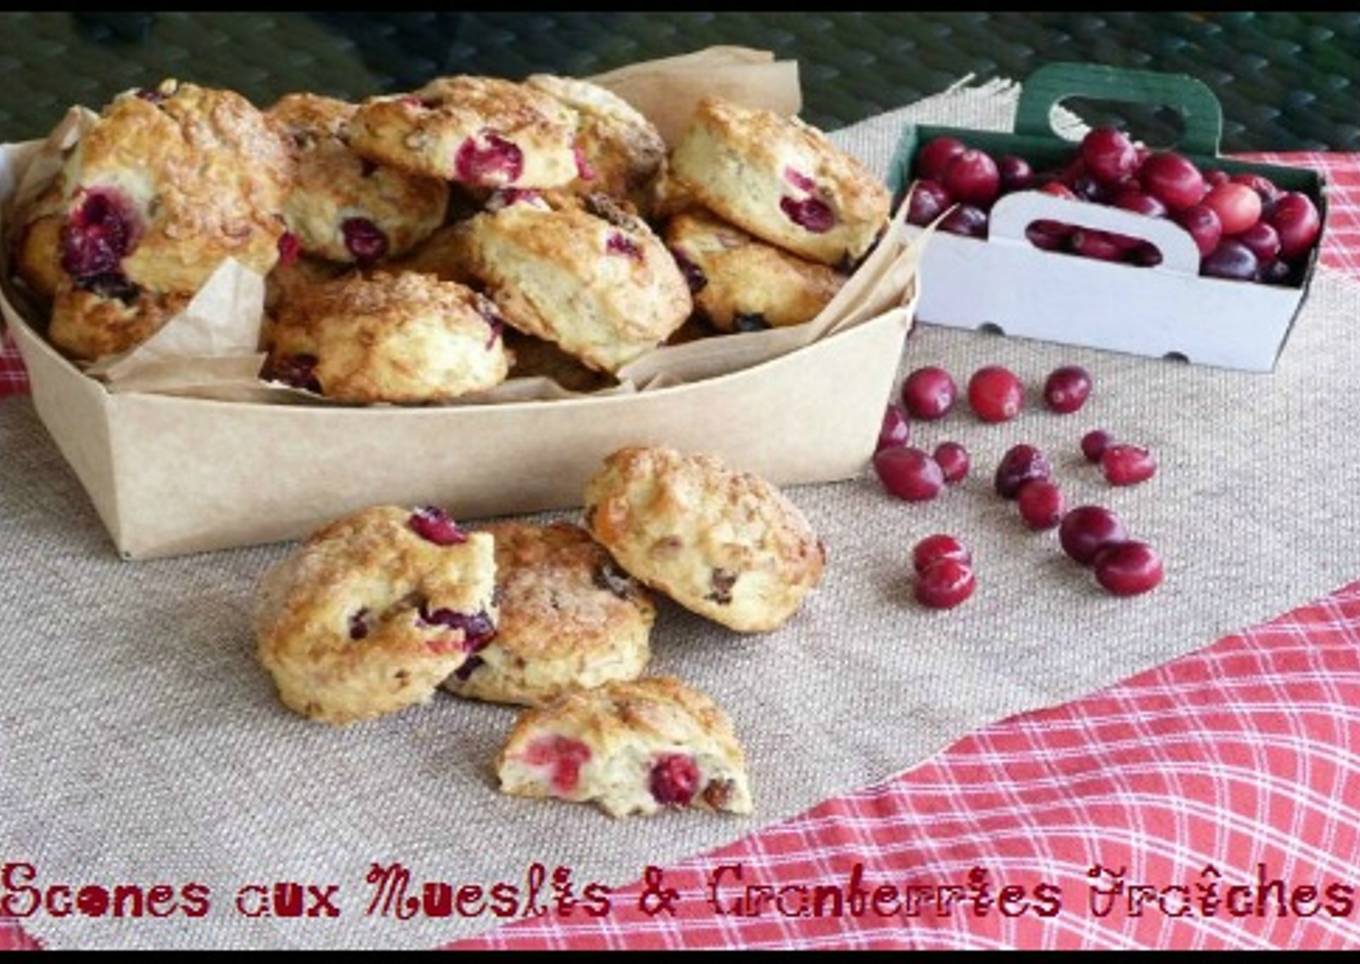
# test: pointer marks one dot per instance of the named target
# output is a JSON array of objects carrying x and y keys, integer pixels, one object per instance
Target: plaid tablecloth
[{"x": 1211, "y": 802}]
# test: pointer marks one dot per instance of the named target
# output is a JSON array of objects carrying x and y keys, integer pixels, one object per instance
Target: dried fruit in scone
[
  {"x": 374, "y": 610},
  {"x": 403, "y": 338},
  {"x": 343, "y": 207},
  {"x": 742, "y": 284},
  {"x": 536, "y": 358},
  {"x": 725, "y": 544},
  {"x": 781, "y": 180},
  {"x": 620, "y": 152},
  {"x": 108, "y": 315},
  {"x": 481, "y": 131},
  {"x": 593, "y": 279},
  {"x": 634, "y": 747},
  {"x": 569, "y": 619}
]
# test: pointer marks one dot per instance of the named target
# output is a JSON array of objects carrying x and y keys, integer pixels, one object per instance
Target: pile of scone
[
  {"x": 408, "y": 238},
  {"x": 375, "y": 611}
]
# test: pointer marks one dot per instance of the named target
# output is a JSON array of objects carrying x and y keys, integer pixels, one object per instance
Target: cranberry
[
  {"x": 1296, "y": 220},
  {"x": 1041, "y": 504},
  {"x": 477, "y": 628},
  {"x": 1238, "y": 207},
  {"x": 619, "y": 244},
  {"x": 972, "y": 177},
  {"x": 1204, "y": 226},
  {"x": 488, "y": 160},
  {"x": 1128, "y": 568},
  {"x": 1067, "y": 389},
  {"x": 98, "y": 234},
  {"x": 995, "y": 394},
  {"x": 1127, "y": 464},
  {"x": 364, "y": 239},
  {"x": 470, "y": 666},
  {"x": 1058, "y": 189},
  {"x": 932, "y": 549},
  {"x": 583, "y": 169},
  {"x": 1016, "y": 174},
  {"x": 945, "y": 584},
  {"x": 1145, "y": 255},
  {"x": 953, "y": 461},
  {"x": 809, "y": 213},
  {"x": 1132, "y": 199},
  {"x": 967, "y": 220},
  {"x": 896, "y": 429},
  {"x": 564, "y": 754},
  {"x": 1101, "y": 245},
  {"x": 1086, "y": 529},
  {"x": 674, "y": 779},
  {"x": 358, "y": 624},
  {"x": 694, "y": 275},
  {"x": 1262, "y": 239},
  {"x": 1094, "y": 443},
  {"x": 1262, "y": 185},
  {"x": 928, "y": 393},
  {"x": 289, "y": 248},
  {"x": 1172, "y": 179},
  {"x": 1020, "y": 464},
  {"x": 800, "y": 180},
  {"x": 936, "y": 155},
  {"x": 1109, "y": 155},
  {"x": 1232, "y": 260},
  {"x": 928, "y": 201},
  {"x": 433, "y": 523},
  {"x": 909, "y": 473},
  {"x": 1214, "y": 178},
  {"x": 1274, "y": 273},
  {"x": 1087, "y": 188},
  {"x": 1049, "y": 235}
]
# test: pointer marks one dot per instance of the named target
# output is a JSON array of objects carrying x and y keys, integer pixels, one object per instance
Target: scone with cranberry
[
  {"x": 372, "y": 612},
  {"x": 569, "y": 619},
  {"x": 589, "y": 276},
  {"x": 742, "y": 284},
  {"x": 724, "y": 544},
  {"x": 636, "y": 747},
  {"x": 405, "y": 338},
  {"x": 781, "y": 180},
  {"x": 480, "y": 131},
  {"x": 345, "y": 208}
]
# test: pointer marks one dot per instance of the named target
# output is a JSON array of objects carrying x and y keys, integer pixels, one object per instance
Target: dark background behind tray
[{"x": 1287, "y": 81}]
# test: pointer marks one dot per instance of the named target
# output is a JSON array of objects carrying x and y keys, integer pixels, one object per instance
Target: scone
[
  {"x": 727, "y": 545},
  {"x": 373, "y": 611},
  {"x": 631, "y": 748},
  {"x": 37, "y": 244},
  {"x": 569, "y": 619},
  {"x": 443, "y": 254},
  {"x": 107, "y": 315},
  {"x": 620, "y": 151},
  {"x": 295, "y": 274},
  {"x": 404, "y": 338},
  {"x": 781, "y": 180},
  {"x": 593, "y": 279},
  {"x": 742, "y": 284},
  {"x": 345, "y": 208},
  {"x": 481, "y": 131}
]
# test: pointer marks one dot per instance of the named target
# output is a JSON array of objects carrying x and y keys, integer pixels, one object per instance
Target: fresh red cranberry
[
  {"x": 1127, "y": 464},
  {"x": 1109, "y": 155},
  {"x": 1296, "y": 220},
  {"x": 565, "y": 755},
  {"x": 1238, "y": 207},
  {"x": 972, "y": 178},
  {"x": 1274, "y": 273},
  {"x": 1214, "y": 178},
  {"x": 928, "y": 201},
  {"x": 953, "y": 461},
  {"x": 618, "y": 244},
  {"x": 1049, "y": 235},
  {"x": 290, "y": 248},
  {"x": 358, "y": 624},
  {"x": 896, "y": 429},
  {"x": 1020, "y": 464},
  {"x": 1041, "y": 504},
  {"x": 936, "y": 155},
  {"x": 1067, "y": 389},
  {"x": 929, "y": 393},
  {"x": 1101, "y": 245},
  {"x": 945, "y": 584},
  {"x": 363, "y": 239},
  {"x": 967, "y": 220},
  {"x": 433, "y": 523},
  {"x": 1058, "y": 189},
  {"x": 1144, "y": 254},
  {"x": 1016, "y": 174},
  {"x": 810, "y": 214},
  {"x": 583, "y": 169},
  {"x": 1172, "y": 179},
  {"x": 694, "y": 275},
  {"x": 1232, "y": 260},
  {"x": 1203, "y": 225},
  {"x": 932, "y": 549},
  {"x": 1128, "y": 568},
  {"x": 98, "y": 234},
  {"x": 909, "y": 473},
  {"x": 1094, "y": 444},
  {"x": 488, "y": 160},
  {"x": 1132, "y": 199},
  {"x": 674, "y": 779},
  {"x": 1086, "y": 529},
  {"x": 995, "y": 394},
  {"x": 1264, "y": 187},
  {"x": 1263, "y": 241}
]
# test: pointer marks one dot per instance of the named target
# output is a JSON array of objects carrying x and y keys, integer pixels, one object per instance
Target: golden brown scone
[
  {"x": 593, "y": 279},
  {"x": 387, "y": 338},
  {"x": 373, "y": 611},
  {"x": 478, "y": 130},
  {"x": 536, "y": 358},
  {"x": 781, "y": 180},
  {"x": 621, "y": 151},
  {"x": 37, "y": 244},
  {"x": 630, "y": 748},
  {"x": 569, "y": 619},
  {"x": 742, "y": 284},
  {"x": 345, "y": 208},
  {"x": 727, "y": 545},
  {"x": 108, "y": 316}
]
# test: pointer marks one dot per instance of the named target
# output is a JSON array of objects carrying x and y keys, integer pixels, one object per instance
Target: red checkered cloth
[{"x": 1211, "y": 802}]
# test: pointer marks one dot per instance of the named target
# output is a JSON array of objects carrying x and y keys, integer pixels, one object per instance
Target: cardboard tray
[{"x": 1007, "y": 284}]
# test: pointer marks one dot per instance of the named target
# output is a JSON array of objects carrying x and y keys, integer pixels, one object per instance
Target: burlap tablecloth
[{"x": 141, "y": 743}]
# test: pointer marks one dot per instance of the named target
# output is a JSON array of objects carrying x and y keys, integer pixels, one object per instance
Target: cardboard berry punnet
[{"x": 1006, "y": 283}]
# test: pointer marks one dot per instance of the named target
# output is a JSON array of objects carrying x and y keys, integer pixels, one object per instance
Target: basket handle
[{"x": 1053, "y": 83}]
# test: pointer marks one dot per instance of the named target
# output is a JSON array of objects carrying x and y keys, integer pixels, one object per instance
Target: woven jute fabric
[{"x": 140, "y": 742}]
